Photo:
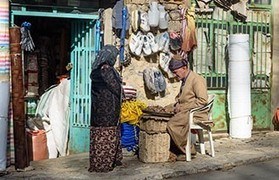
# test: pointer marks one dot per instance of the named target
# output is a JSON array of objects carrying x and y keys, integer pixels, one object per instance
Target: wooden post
[{"x": 20, "y": 138}]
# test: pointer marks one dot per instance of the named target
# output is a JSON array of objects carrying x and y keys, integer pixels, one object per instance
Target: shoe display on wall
[
  {"x": 153, "y": 44},
  {"x": 144, "y": 26},
  {"x": 146, "y": 46},
  {"x": 144, "y": 41}
]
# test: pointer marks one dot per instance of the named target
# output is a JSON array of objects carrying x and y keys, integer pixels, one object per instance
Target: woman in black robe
[{"x": 106, "y": 93}]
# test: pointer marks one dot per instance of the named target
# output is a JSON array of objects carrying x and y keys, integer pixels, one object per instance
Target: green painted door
[{"x": 84, "y": 45}]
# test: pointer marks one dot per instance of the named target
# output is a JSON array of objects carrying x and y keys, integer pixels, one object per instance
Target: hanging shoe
[
  {"x": 153, "y": 14},
  {"x": 138, "y": 50},
  {"x": 144, "y": 26},
  {"x": 149, "y": 80},
  {"x": 203, "y": 6},
  {"x": 153, "y": 44},
  {"x": 239, "y": 10},
  {"x": 134, "y": 42},
  {"x": 164, "y": 64},
  {"x": 135, "y": 20},
  {"x": 146, "y": 46},
  {"x": 225, "y": 4},
  {"x": 160, "y": 82},
  {"x": 163, "y": 41},
  {"x": 164, "y": 17},
  {"x": 166, "y": 41}
]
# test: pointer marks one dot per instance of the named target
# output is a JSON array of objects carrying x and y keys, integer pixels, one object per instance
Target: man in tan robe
[{"x": 193, "y": 93}]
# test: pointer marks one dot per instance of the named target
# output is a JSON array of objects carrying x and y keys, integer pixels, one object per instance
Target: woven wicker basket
[
  {"x": 153, "y": 124},
  {"x": 154, "y": 147}
]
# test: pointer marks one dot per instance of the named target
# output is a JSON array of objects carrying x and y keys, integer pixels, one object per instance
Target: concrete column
[{"x": 275, "y": 57}]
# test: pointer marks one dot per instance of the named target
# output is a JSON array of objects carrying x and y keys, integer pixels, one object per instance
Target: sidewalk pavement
[{"x": 229, "y": 153}]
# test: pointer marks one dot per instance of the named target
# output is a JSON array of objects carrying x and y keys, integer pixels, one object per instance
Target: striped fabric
[
  {"x": 5, "y": 69},
  {"x": 129, "y": 92},
  {"x": 4, "y": 39}
]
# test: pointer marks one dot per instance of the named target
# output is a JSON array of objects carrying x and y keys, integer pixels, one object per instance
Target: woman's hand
[{"x": 105, "y": 66}]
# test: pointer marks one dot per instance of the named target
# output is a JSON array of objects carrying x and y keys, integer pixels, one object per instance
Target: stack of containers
[
  {"x": 239, "y": 86},
  {"x": 129, "y": 131},
  {"x": 4, "y": 81}
]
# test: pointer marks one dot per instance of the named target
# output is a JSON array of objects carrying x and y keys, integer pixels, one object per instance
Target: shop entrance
[{"x": 65, "y": 39}]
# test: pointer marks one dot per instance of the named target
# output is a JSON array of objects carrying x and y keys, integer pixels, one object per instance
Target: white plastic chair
[{"x": 201, "y": 126}]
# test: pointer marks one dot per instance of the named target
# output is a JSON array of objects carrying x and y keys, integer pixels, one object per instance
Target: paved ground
[
  {"x": 229, "y": 153},
  {"x": 256, "y": 171}
]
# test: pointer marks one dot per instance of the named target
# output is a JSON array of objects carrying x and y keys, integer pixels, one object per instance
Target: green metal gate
[
  {"x": 210, "y": 59},
  {"x": 84, "y": 46}
]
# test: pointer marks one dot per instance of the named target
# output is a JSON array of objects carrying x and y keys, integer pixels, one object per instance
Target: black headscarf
[{"x": 107, "y": 55}]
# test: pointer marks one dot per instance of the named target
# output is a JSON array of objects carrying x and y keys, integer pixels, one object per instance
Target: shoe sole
[{"x": 135, "y": 20}]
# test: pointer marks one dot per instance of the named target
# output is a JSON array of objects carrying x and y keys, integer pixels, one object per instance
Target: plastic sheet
[{"x": 239, "y": 86}]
